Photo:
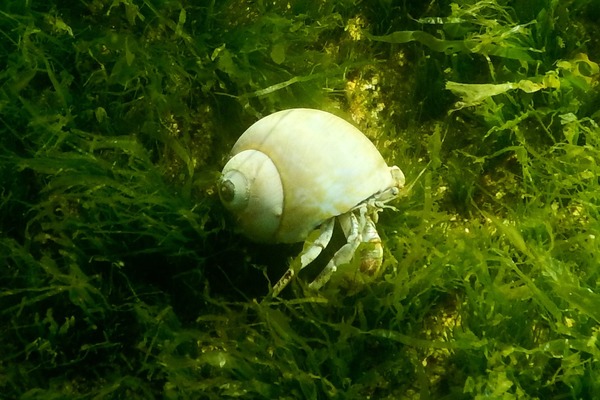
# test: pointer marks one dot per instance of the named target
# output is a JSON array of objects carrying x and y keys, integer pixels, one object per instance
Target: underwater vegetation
[{"x": 122, "y": 276}]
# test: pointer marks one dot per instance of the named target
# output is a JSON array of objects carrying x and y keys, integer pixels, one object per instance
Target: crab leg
[
  {"x": 351, "y": 227},
  {"x": 372, "y": 256},
  {"x": 307, "y": 256}
]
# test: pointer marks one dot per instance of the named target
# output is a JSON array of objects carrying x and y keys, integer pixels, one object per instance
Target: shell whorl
[{"x": 251, "y": 189}]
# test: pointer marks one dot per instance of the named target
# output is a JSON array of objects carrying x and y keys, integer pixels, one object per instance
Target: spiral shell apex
[{"x": 251, "y": 189}]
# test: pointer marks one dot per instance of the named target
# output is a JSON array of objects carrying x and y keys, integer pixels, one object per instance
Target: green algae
[{"x": 121, "y": 274}]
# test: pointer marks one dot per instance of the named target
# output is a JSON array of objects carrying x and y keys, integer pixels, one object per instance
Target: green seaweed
[{"x": 123, "y": 277}]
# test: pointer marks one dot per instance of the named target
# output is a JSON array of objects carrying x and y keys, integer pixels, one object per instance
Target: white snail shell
[{"x": 294, "y": 169}]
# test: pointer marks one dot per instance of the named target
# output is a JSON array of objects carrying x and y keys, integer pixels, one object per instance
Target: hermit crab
[{"x": 293, "y": 173}]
